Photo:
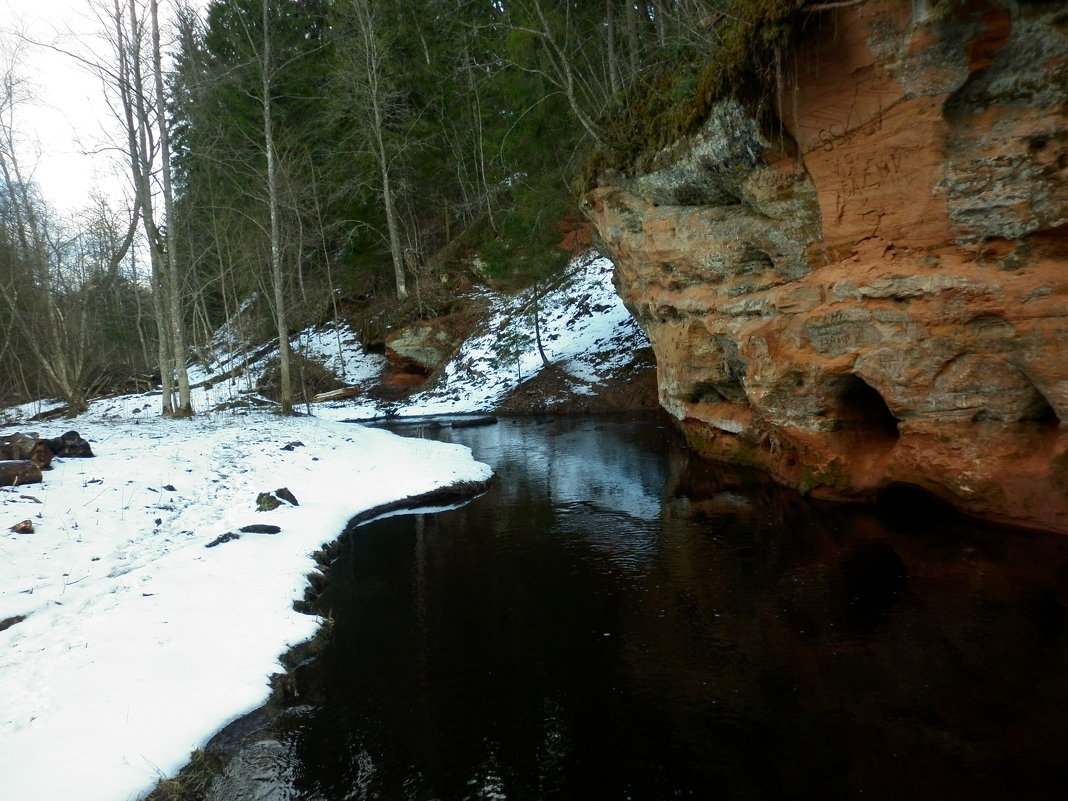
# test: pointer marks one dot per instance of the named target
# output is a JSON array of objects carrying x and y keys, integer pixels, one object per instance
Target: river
[{"x": 615, "y": 619}]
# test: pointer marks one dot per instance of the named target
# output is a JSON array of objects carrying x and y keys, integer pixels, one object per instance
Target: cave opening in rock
[
  {"x": 1041, "y": 412},
  {"x": 861, "y": 408}
]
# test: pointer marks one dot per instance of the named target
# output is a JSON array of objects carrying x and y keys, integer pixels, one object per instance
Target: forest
[{"x": 317, "y": 156}]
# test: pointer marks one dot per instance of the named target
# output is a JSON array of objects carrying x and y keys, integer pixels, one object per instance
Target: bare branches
[
  {"x": 370, "y": 98},
  {"x": 832, "y": 6}
]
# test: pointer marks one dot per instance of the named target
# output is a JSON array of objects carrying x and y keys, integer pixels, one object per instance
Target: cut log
[
  {"x": 17, "y": 472},
  {"x": 19, "y": 446},
  {"x": 336, "y": 394}
]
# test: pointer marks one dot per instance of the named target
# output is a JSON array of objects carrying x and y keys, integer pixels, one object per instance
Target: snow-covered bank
[
  {"x": 586, "y": 332},
  {"x": 138, "y": 642}
]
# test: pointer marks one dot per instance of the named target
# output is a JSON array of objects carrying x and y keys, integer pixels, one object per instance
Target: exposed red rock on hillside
[{"x": 872, "y": 289}]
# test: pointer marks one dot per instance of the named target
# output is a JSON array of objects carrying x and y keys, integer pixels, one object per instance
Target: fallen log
[
  {"x": 336, "y": 394},
  {"x": 20, "y": 447},
  {"x": 16, "y": 472},
  {"x": 475, "y": 422}
]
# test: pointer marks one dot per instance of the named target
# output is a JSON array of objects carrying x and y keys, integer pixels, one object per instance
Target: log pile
[
  {"x": 24, "y": 456},
  {"x": 27, "y": 447}
]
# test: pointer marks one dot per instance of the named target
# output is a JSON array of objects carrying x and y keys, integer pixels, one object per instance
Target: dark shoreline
[{"x": 194, "y": 780}]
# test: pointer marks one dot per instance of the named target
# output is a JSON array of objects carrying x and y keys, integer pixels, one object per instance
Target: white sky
[{"x": 65, "y": 129}]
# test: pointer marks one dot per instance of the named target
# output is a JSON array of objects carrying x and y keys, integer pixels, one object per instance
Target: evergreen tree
[{"x": 220, "y": 158}]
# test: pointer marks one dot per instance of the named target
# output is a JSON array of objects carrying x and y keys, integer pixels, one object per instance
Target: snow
[
  {"x": 138, "y": 643},
  {"x": 585, "y": 328}
]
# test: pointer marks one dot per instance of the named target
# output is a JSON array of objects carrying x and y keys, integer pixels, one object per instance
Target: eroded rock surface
[
  {"x": 872, "y": 289},
  {"x": 423, "y": 344}
]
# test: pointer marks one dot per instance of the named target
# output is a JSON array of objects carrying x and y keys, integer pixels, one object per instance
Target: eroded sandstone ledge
[{"x": 872, "y": 288}]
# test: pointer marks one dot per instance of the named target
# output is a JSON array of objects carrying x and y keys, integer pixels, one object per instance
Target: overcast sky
[{"x": 66, "y": 128}]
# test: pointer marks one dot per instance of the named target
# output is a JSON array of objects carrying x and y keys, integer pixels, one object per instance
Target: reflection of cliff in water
[{"x": 903, "y": 651}]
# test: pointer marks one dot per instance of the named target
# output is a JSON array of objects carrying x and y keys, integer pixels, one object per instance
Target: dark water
[{"x": 617, "y": 621}]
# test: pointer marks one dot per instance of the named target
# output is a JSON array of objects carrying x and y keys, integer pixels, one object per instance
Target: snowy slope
[{"x": 585, "y": 328}]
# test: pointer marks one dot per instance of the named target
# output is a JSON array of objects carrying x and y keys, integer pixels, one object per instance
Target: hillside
[{"x": 599, "y": 361}]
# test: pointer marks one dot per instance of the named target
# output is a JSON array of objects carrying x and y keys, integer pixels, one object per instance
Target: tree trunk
[
  {"x": 132, "y": 90},
  {"x": 373, "y": 66},
  {"x": 633, "y": 10},
  {"x": 395, "y": 250},
  {"x": 173, "y": 300},
  {"x": 277, "y": 278},
  {"x": 537, "y": 325},
  {"x": 614, "y": 78}
]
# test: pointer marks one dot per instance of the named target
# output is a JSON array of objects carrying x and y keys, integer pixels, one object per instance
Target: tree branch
[{"x": 832, "y": 6}]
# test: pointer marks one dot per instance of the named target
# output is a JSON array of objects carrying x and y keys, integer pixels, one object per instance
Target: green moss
[
  {"x": 831, "y": 475},
  {"x": 266, "y": 502},
  {"x": 676, "y": 100},
  {"x": 726, "y": 447},
  {"x": 697, "y": 443}
]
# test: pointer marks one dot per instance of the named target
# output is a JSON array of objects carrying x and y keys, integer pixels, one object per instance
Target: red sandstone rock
[{"x": 877, "y": 292}]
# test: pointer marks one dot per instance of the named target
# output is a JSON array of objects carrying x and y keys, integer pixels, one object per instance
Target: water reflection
[{"x": 615, "y": 620}]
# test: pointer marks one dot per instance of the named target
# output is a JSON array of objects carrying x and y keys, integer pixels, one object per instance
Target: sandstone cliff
[{"x": 864, "y": 283}]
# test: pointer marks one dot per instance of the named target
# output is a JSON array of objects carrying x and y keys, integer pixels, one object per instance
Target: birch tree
[
  {"x": 170, "y": 284},
  {"x": 367, "y": 96},
  {"x": 139, "y": 106},
  {"x": 267, "y": 67}
]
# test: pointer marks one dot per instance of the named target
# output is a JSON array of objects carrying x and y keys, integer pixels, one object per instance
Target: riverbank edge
[{"x": 194, "y": 780}]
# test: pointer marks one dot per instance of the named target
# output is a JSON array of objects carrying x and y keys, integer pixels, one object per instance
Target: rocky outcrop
[
  {"x": 423, "y": 345},
  {"x": 872, "y": 289},
  {"x": 414, "y": 352}
]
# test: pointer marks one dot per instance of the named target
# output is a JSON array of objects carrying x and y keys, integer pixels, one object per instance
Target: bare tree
[
  {"x": 277, "y": 279},
  {"x": 170, "y": 283},
  {"x": 58, "y": 347},
  {"x": 137, "y": 102},
  {"x": 368, "y": 95}
]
